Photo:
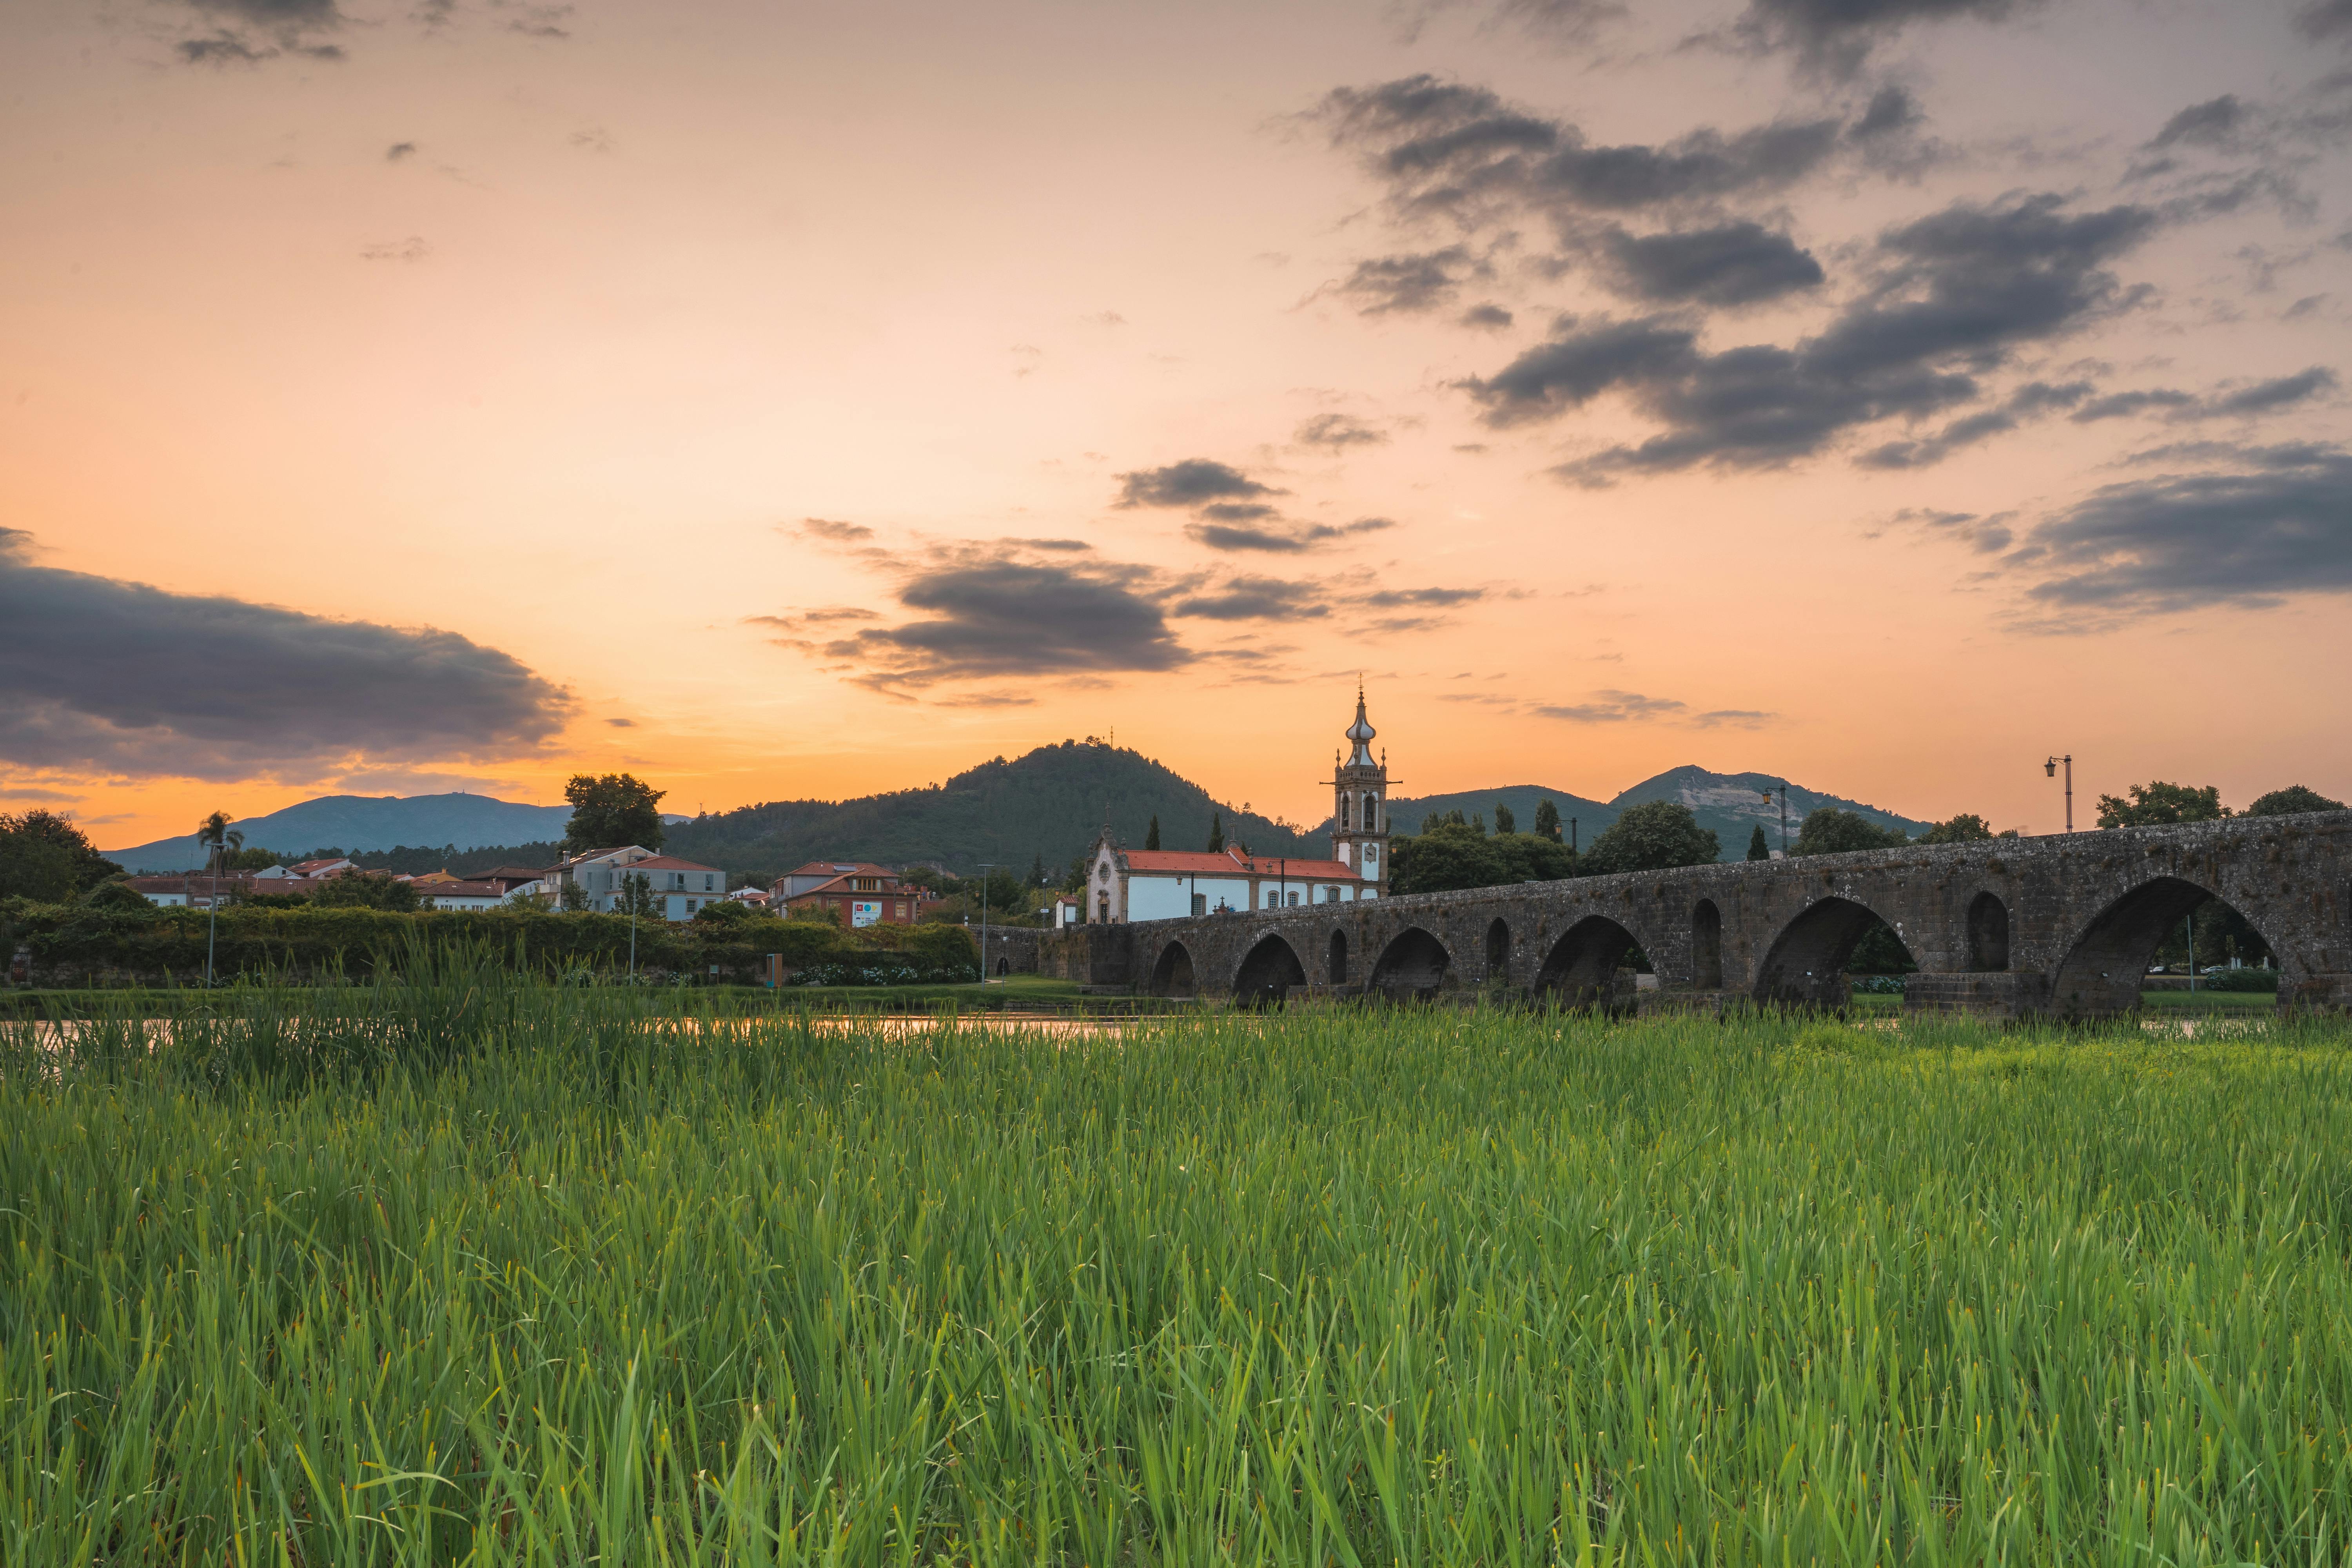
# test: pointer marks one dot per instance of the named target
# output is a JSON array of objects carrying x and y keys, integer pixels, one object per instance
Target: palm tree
[{"x": 216, "y": 833}]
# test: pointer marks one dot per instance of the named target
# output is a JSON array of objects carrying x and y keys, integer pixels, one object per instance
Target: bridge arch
[
  {"x": 1171, "y": 975},
  {"x": 1336, "y": 966},
  {"x": 1582, "y": 965},
  {"x": 1805, "y": 966},
  {"x": 1498, "y": 949},
  {"x": 1413, "y": 965},
  {"x": 1707, "y": 945},
  {"x": 1987, "y": 933},
  {"x": 1268, "y": 971},
  {"x": 2102, "y": 970}
]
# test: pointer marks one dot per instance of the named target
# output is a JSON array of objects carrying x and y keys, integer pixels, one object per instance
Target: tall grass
[{"x": 488, "y": 1273}]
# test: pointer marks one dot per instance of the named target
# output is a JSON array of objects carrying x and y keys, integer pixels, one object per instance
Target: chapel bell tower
[{"x": 1360, "y": 818}]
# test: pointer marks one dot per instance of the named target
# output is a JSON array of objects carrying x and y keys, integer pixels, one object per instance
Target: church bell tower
[{"x": 1359, "y": 815}]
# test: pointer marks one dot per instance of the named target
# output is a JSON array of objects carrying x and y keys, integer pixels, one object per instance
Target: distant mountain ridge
[{"x": 356, "y": 822}]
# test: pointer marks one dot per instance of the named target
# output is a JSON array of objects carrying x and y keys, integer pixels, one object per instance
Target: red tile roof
[
  {"x": 1228, "y": 863},
  {"x": 666, "y": 863}
]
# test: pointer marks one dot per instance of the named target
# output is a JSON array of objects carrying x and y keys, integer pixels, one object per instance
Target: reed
[{"x": 450, "y": 1268}]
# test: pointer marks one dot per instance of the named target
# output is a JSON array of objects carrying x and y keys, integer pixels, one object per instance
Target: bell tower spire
[{"x": 1360, "y": 805}]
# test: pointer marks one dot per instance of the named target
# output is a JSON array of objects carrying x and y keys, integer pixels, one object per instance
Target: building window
[
  {"x": 1294, "y": 900},
  {"x": 690, "y": 906},
  {"x": 706, "y": 883}
]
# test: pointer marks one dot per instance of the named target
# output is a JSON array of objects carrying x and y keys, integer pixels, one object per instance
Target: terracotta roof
[
  {"x": 1226, "y": 863},
  {"x": 837, "y": 868},
  {"x": 666, "y": 863}
]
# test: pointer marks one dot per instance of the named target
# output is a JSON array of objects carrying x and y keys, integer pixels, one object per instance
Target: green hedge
[{"x": 311, "y": 943}]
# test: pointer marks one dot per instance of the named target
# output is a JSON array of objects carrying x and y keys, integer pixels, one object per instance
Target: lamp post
[
  {"x": 985, "y": 868},
  {"x": 2050, "y": 770},
  {"x": 1767, "y": 793}
]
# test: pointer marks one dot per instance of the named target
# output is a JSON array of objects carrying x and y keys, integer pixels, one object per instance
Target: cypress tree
[
  {"x": 1151, "y": 835},
  {"x": 1547, "y": 821},
  {"x": 1757, "y": 848},
  {"x": 1216, "y": 831},
  {"x": 1504, "y": 821}
]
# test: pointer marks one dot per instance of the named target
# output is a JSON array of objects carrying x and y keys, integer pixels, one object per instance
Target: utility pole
[{"x": 1572, "y": 835}]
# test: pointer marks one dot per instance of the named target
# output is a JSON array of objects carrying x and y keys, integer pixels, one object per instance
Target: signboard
[{"x": 862, "y": 913}]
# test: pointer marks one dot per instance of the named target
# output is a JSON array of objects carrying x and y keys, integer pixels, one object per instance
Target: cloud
[
  {"x": 621, "y": 723},
  {"x": 985, "y": 618},
  {"x": 1275, "y": 538},
  {"x": 2325, "y": 19},
  {"x": 410, "y": 249},
  {"x": 399, "y": 150},
  {"x": 2268, "y": 522},
  {"x": 1406, "y": 284},
  {"x": 1732, "y": 264},
  {"x": 1337, "y": 432},
  {"x": 834, "y": 530},
  {"x": 1610, "y": 708},
  {"x": 102, "y": 675},
  {"x": 1734, "y": 718},
  {"x": 1237, "y": 511},
  {"x": 1985, "y": 535},
  {"x": 1835, "y": 36},
  {"x": 1955, "y": 294},
  {"x": 1255, "y": 599},
  {"x": 1487, "y": 317},
  {"x": 2217, "y": 122},
  {"x": 1191, "y": 482},
  {"x": 2242, "y": 403},
  {"x": 247, "y": 32},
  {"x": 1422, "y": 598},
  {"x": 2032, "y": 399}
]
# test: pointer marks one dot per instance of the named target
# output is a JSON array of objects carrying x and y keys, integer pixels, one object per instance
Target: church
[{"x": 1125, "y": 884}]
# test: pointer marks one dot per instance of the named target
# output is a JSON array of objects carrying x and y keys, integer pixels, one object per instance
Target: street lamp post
[
  {"x": 985, "y": 868},
  {"x": 2050, "y": 770},
  {"x": 1767, "y": 793}
]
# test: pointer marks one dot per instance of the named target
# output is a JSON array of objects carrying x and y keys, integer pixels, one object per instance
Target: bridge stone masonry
[{"x": 2063, "y": 925}]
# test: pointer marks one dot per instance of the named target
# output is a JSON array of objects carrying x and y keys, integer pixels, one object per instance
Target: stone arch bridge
[{"x": 2065, "y": 924}]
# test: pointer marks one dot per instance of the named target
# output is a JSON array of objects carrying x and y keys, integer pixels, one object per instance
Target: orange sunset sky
[{"x": 784, "y": 400}]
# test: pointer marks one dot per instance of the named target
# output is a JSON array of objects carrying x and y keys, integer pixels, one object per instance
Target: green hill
[
  {"x": 1048, "y": 804},
  {"x": 1734, "y": 803},
  {"x": 1592, "y": 815}
]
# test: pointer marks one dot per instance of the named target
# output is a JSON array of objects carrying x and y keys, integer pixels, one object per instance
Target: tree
[
  {"x": 253, "y": 859},
  {"x": 1757, "y": 848},
  {"x": 1829, "y": 831},
  {"x": 2288, "y": 801},
  {"x": 638, "y": 897},
  {"x": 366, "y": 890},
  {"x": 1450, "y": 855},
  {"x": 116, "y": 896},
  {"x": 1216, "y": 833},
  {"x": 1531, "y": 858},
  {"x": 1653, "y": 837},
  {"x": 44, "y": 858},
  {"x": 1504, "y": 821},
  {"x": 2156, "y": 803},
  {"x": 1965, "y": 828},
  {"x": 218, "y": 839},
  {"x": 725, "y": 912},
  {"x": 610, "y": 811},
  {"x": 1547, "y": 821},
  {"x": 1037, "y": 870},
  {"x": 1151, "y": 834}
]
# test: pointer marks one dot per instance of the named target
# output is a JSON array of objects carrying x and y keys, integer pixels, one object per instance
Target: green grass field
[{"x": 459, "y": 1272}]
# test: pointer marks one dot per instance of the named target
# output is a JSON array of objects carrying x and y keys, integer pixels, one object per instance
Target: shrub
[{"x": 2248, "y": 979}]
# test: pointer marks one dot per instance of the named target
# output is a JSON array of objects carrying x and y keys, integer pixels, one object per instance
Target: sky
[{"x": 782, "y": 400}]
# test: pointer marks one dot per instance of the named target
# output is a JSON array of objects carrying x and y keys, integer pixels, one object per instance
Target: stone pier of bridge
[{"x": 2064, "y": 925}]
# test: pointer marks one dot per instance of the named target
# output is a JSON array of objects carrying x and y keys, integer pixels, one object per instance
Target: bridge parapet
[{"x": 2063, "y": 925}]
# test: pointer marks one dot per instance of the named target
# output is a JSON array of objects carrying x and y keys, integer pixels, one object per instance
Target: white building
[
  {"x": 1165, "y": 884},
  {"x": 602, "y": 875}
]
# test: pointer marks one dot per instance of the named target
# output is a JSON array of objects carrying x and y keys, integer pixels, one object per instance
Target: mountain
[
  {"x": 1590, "y": 816},
  {"x": 1733, "y": 805},
  {"x": 366, "y": 822},
  {"x": 1048, "y": 804}
]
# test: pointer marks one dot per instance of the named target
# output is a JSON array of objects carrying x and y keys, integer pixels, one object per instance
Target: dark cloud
[
  {"x": 985, "y": 618},
  {"x": 2218, "y": 122},
  {"x": 1255, "y": 599},
  {"x": 2031, "y": 400},
  {"x": 1891, "y": 110},
  {"x": 2240, "y": 403},
  {"x": 1732, "y": 264},
  {"x": 247, "y": 32},
  {"x": 1836, "y": 35},
  {"x": 2272, "y": 522},
  {"x": 399, "y": 150},
  {"x": 2325, "y": 19},
  {"x": 1954, "y": 295},
  {"x": 1489, "y": 317},
  {"x": 1238, "y": 512},
  {"x": 102, "y": 675},
  {"x": 621, "y": 723},
  {"x": 834, "y": 529},
  {"x": 1283, "y": 539},
  {"x": 1733, "y": 719},
  {"x": 1384, "y": 284},
  {"x": 1060, "y": 546},
  {"x": 1985, "y": 535},
  {"x": 1337, "y": 432},
  {"x": 1422, "y": 598},
  {"x": 1191, "y": 482},
  {"x": 1442, "y": 146}
]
